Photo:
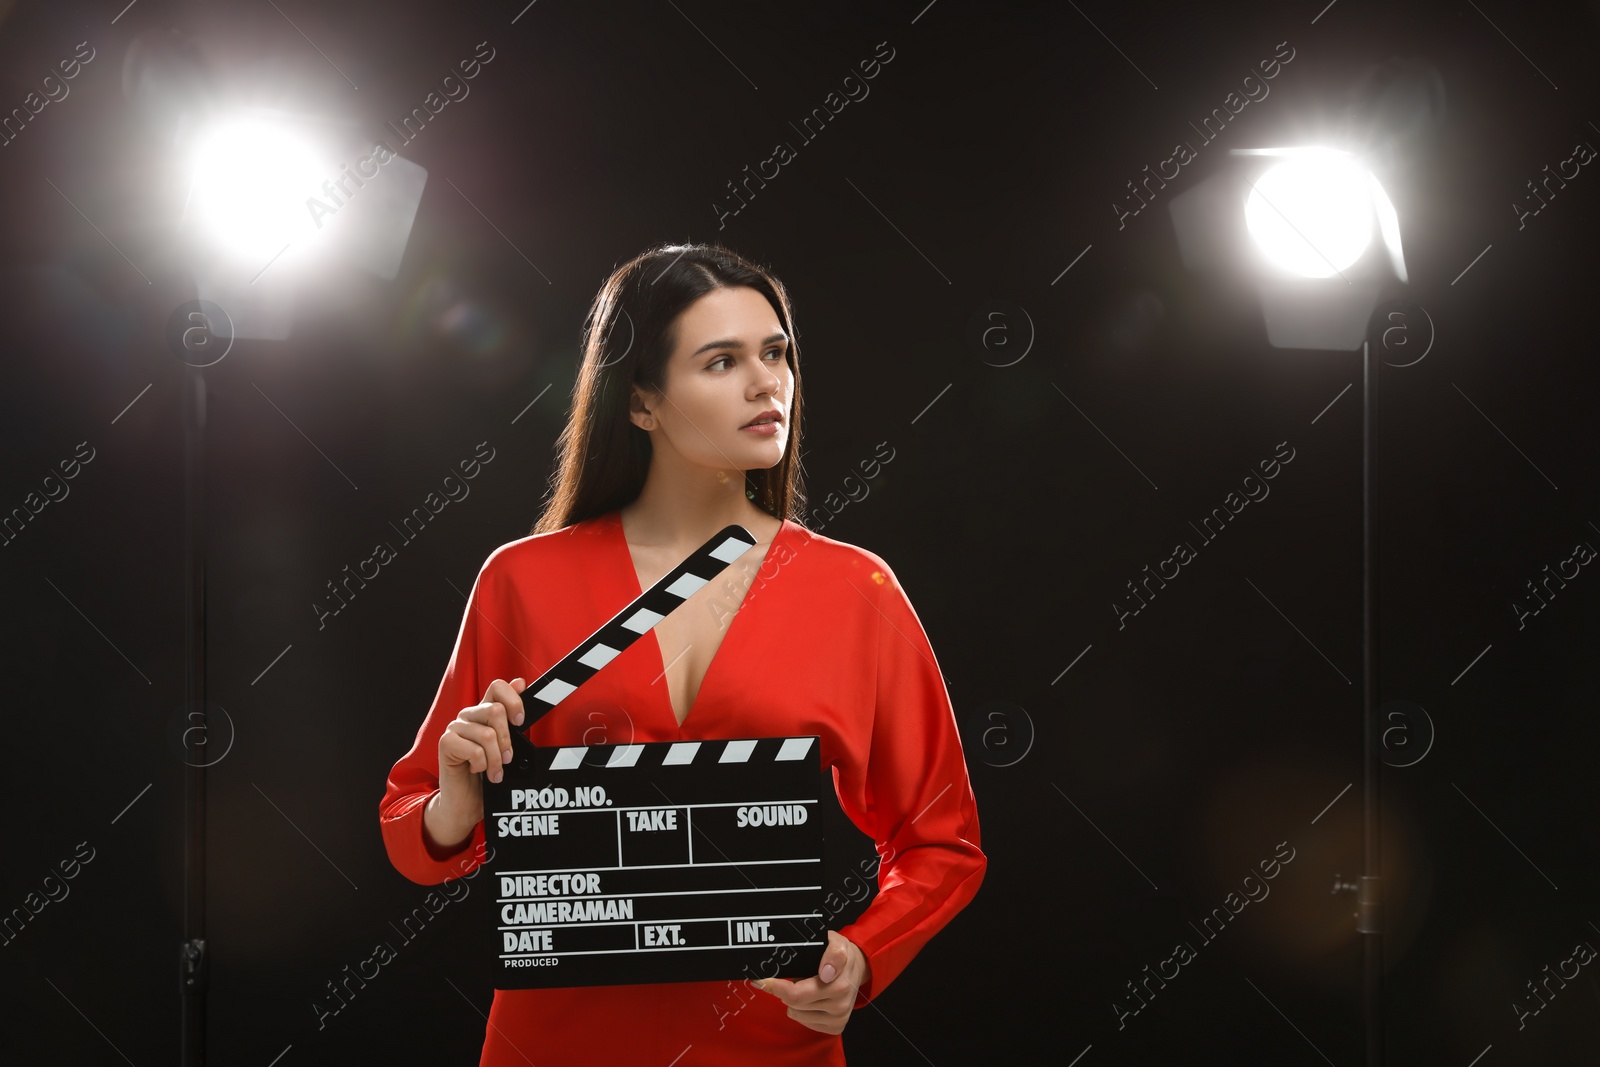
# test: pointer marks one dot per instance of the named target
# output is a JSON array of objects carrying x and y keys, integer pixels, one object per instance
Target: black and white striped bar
[
  {"x": 670, "y": 861},
  {"x": 628, "y": 625}
]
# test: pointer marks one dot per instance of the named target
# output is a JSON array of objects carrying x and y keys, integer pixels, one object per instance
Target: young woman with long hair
[{"x": 686, "y": 418}]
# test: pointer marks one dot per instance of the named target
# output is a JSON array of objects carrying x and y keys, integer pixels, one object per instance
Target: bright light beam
[
  {"x": 1312, "y": 215},
  {"x": 249, "y": 183}
]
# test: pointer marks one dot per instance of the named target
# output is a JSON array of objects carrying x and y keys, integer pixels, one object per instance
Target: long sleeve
[
  {"x": 414, "y": 780},
  {"x": 913, "y": 797}
]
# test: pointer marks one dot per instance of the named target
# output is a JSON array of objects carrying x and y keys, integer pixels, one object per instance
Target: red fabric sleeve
[
  {"x": 914, "y": 800},
  {"x": 414, "y": 780}
]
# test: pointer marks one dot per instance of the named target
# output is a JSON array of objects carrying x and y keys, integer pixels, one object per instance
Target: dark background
[{"x": 1172, "y": 757}]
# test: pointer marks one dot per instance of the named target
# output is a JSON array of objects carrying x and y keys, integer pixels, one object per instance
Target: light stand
[
  {"x": 1369, "y": 914},
  {"x": 192, "y": 956},
  {"x": 1342, "y": 204}
]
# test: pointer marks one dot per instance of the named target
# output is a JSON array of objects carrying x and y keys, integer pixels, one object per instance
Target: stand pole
[
  {"x": 192, "y": 952},
  {"x": 1369, "y": 914}
]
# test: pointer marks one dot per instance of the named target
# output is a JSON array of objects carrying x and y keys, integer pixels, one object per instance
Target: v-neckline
[{"x": 638, "y": 591}]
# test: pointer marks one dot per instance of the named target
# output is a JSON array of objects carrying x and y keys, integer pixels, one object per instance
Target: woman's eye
[{"x": 729, "y": 359}]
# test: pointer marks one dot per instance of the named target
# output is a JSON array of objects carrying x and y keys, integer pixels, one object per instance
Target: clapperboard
[{"x": 667, "y": 861}]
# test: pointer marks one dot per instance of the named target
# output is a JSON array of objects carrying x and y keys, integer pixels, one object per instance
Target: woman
[{"x": 686, "y": 348}]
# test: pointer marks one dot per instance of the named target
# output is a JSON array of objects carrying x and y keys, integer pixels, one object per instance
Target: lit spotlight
[
  {"x": 1297, "y": 224},
  {"x": 278, "y": 202},
  {"x": 250, "y": 178},
  {"x": 1312, "y": 214}
]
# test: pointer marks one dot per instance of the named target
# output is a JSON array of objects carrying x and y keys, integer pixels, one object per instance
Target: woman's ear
[{"x": 639, "y": 412}]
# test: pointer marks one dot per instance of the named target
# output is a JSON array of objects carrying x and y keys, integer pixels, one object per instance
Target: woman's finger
[
  {"x": 493, "y": 714},
  {"x": 781, "y": 988},
  {"x": 458, "y": 751},
  {"x": 478, "y": 746}
]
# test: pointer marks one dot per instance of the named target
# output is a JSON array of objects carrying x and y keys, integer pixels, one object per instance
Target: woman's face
[{"x": 729, "y": 365}]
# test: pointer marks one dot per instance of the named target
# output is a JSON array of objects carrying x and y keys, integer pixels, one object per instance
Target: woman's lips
[{"x": 764, "y": 429}]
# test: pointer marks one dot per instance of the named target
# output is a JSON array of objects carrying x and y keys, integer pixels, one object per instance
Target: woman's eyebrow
[{"x": 734, "y": 342}]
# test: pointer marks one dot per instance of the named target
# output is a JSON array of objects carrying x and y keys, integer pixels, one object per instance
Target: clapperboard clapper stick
[{"x": 687, "y": 861}]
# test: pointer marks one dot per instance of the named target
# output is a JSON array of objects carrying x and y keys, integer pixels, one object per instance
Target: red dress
[{"x": 825, "y": 642}]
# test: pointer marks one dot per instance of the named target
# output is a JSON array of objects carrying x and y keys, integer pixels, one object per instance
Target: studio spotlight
[
  {"x": 273, "y": 198},
  {"x": 1298, "y": 224},
  {"x": 249, "y": 180},
  {"x": 1313, "y": 213}
]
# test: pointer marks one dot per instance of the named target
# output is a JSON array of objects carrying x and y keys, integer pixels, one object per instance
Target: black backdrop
[{"x": 1121, "y": 799}]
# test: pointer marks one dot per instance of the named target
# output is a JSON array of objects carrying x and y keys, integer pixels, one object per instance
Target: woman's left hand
[{"x": 825, "y": 1002}]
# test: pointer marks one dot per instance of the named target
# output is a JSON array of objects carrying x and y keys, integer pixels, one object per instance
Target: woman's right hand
[{"x": 478, "y": 740}]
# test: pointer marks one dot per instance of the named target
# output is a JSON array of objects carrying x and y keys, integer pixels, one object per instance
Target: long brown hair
[{"x": 628, "y": 336}]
